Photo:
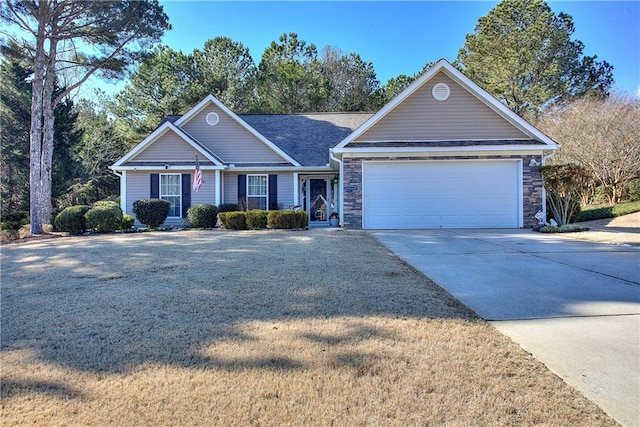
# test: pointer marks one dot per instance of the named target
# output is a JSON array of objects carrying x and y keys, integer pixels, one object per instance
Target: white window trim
[
  {"x": 180, "y": 185},
  {"x": 266, "y": 176}
]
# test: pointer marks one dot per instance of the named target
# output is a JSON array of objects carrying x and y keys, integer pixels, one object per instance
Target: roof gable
[
  {"x": 163, "y": 135},
  {"x": 229, "y": 133},
  {"x": 470, "y": 113}
]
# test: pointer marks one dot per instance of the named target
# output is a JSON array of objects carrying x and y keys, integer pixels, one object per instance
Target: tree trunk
[
  {"x": 35, "y": 137},
  {"x": 48, "y": 132}
]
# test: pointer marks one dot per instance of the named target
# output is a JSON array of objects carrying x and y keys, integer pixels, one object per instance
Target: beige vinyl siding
[
  {"x": 285, "y": 187},
  {"x": 207, "y": 193},
  {"x": 138, "y": 187},
  {"x": 229, "y": 140},
  {"x": 421, "y": 118},
  {"x": 230, "y": 184},
  {"x": 167, "y": 148},
  {"x": 285, "y": 190}
]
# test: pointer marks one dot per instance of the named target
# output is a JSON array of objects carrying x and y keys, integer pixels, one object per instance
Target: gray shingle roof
[{"x": 306, "y": 137}]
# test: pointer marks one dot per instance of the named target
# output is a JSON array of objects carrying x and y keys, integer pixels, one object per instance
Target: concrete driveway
[{"x": 575, "y": 305}]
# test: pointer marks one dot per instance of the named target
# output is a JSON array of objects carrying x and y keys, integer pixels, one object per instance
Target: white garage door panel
[{"x": 451, "y": 194}]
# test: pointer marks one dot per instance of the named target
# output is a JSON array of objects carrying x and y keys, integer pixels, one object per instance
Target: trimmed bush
[
  {"x": 203, "y": 216},
  {"x": 567, "y": 228},
  {"x": 128, "y": 222},
  {"x": 590, "y": 213},
  {"x": 104, "y": 217},
  {"x": 6, "y": 225},
  {"x": 257, "y": 219},
  {"x": 151, "y": 212},
  {"x": 228, "y": 207},
  {"x": 282, "y": 220},
  {"x": 72, "y": 219},
  {"x": 233, "y": 220},
  {"x": 303, "y": 219}
]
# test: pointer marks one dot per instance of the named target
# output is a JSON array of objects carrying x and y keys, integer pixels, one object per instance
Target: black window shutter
[
  {"x": 273, "y": 192},
  {"x": 186, "y": 193},
  {"x": 155, "y": 186},
  {"x": 242, "y": 189}
]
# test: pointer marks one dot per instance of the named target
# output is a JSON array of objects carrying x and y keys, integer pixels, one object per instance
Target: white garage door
[{"x": 442, "y": 194}]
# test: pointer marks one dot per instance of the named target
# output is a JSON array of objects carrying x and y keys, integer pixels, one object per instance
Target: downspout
[
  {"x": 123, "y": 183},
  {"x": 341, "y": 198}
]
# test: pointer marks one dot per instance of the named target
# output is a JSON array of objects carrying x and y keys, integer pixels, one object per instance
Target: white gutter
[
  {"x": 446, "y": 150},
  {"x": 341, "y": 198}
]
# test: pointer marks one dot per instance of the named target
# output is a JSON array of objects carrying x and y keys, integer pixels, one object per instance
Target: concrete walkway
[{"x": 575, "y": 305}]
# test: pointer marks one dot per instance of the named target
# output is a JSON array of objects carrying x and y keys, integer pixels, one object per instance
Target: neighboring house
[{"x": 443, "y": 153}]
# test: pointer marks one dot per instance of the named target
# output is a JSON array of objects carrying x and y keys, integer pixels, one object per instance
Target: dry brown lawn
[{"x": 319, "y": 327}]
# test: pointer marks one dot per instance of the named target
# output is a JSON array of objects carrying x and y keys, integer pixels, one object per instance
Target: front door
[{"x": 318, "y": 196}]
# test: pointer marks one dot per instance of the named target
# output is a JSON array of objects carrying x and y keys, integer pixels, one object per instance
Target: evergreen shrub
[
  {"x": 257, "y": 219},
  {"x": 228, "y": 207},
  {"x": 203, "y": 216},
  {"x": 234, "y": 220},
  {"x": 303, "y": 219},
  {"x": 151, "y": 212},
  {"x": 128, "y": 221},
  {"x": 104, "y": 217},
  {"x": 282, "y": 220},
  {"x": 72, "y": 219}
]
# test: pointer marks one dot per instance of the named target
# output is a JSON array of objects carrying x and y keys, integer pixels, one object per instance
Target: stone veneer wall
[{"x": 352, "y": 181}]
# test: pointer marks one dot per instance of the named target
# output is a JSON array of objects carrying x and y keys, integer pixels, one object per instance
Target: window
[
  {"x": 257, "y": 191},
  {"x": 170, "y": 190}
]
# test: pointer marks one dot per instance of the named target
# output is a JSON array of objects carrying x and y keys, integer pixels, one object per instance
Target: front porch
[{"x": 319, "y": 195}]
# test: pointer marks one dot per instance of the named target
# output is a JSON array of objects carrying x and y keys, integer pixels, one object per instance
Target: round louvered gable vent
[
  {"x": 440, "y": 92},
  {"x": 212, "y": 119}
]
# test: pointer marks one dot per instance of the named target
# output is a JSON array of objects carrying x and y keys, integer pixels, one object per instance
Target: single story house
[{"x": 443, "y": 153}]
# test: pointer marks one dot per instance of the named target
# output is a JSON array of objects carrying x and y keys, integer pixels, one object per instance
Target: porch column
[
  {"x": 336, "y": 198},
  {"x": 218, "y": 195},
  {"x": 123, "y": 191},
  {"x": 296, "y": 189}
]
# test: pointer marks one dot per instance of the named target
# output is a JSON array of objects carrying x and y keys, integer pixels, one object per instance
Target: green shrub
[
  {"x": 303, "y": 219},
  {"x": 282, "y": 220},
  {"x": 72, "y": 219},
  {"x": 590, "y": 213},
  {"x": 257, "y": 219},
  {"x": 228, "y": 207},
  {"x": 567, "y": 228},
  {"x": 151, "y": 212},
  {"x": 203, "y": 216},
  {"x": 6, "y": 225},
  {"x": 128, "y": 222},
  {"x": 104, "y": 217},
  {"x": 222, "y": 219},
  {"x": 233, "y": 220},
  {"x": 633, "y": 190}
]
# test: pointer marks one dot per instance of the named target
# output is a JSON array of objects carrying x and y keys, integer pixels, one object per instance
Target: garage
[{"x": 442, "y": 194}]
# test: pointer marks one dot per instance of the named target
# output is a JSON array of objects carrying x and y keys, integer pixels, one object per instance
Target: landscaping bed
[{"x": 321, "y": 327}]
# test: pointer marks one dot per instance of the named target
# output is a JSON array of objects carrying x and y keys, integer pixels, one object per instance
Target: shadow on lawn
[{"x": 110, "y": 304}]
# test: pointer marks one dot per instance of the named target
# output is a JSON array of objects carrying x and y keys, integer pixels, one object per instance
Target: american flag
[{"x": 197, "y": 177}]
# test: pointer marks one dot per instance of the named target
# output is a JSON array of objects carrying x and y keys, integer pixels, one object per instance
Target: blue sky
[{"x": 397, "y": 37}]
